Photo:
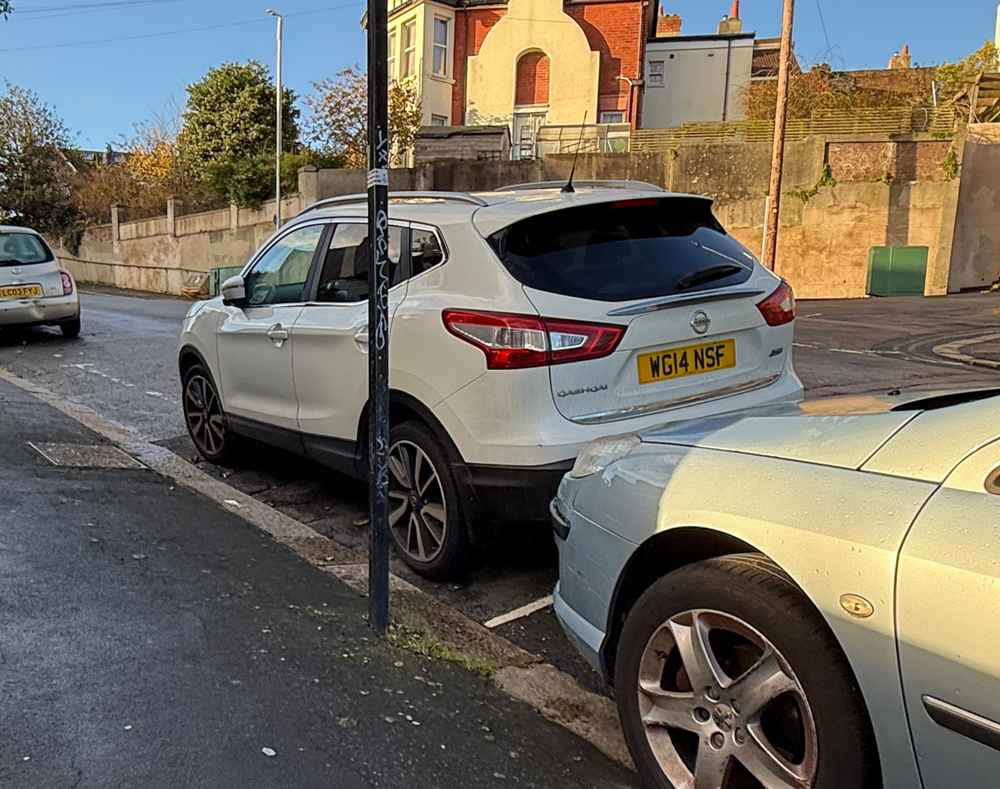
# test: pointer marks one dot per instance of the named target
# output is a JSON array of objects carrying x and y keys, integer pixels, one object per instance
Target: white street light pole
[{"x": 277, "y": 149}]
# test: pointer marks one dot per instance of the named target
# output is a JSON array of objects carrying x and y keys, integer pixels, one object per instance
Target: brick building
[{"x": 522, "y": 63}]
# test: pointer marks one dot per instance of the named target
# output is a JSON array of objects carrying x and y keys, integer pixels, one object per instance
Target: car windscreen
[
  {"x": 22, "y": 249},
  {"x": 624, "y": 250}
]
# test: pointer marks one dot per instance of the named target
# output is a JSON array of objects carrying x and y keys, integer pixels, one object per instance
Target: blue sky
[{"x": 102, "y": 89}]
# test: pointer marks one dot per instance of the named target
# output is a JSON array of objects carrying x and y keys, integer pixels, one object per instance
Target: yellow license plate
[
  {"x": 688, "y": 360},
  {"x": 20, "y": 291}
]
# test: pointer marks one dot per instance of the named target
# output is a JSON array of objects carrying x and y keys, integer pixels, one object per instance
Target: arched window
[{"x": 532, "y": 79}]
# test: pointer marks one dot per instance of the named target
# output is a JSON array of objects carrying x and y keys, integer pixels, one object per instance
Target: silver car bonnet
[{"x": 836, "y": 431}]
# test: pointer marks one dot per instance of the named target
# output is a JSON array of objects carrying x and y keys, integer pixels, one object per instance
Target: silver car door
[{"x": 948, "y": 626}]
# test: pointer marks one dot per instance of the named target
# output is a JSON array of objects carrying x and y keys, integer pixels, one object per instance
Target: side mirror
[{"x": 234, "y": 291}]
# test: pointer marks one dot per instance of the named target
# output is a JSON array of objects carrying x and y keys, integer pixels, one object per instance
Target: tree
[
  {"x": 821, "y": 88},
  {"x": 955, "y": 81},
  {"x": 5, "y": 8},
  {"x": 339, "y": 116},
  {"x": 229, "y": 119},
  {"x": 952, "y": 78},
  {"x": 35, "y": 172}
]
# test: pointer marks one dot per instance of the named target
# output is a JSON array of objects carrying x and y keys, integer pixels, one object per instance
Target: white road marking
[{"x": 519, "y": 613}]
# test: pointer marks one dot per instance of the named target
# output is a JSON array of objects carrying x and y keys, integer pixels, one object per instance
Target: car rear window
[
  {"x": 23, "y": 249},
  {"x": 624, "y": 250}
]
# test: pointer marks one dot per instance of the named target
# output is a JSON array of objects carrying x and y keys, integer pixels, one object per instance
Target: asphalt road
[
  {"x": 149, "y": 638},
  {"x": 124, "y": 367}
]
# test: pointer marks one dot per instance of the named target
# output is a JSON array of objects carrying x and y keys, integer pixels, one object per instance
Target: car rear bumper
[
  {"x": 45, "y": 311},
  {"x": 505, "y": 494}
]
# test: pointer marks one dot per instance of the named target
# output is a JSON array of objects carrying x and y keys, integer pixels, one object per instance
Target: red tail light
[
  {"x": 779, "y": 308},
  {"x": 67, "y": 283},
  {"x": 512, "y": 342}
]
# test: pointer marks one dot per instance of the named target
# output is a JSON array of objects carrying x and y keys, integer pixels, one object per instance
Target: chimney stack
[
  {"x": 731, "y": 24},
  {"x": 667, "y": 24},
  {"x": 901, "y": 59}
]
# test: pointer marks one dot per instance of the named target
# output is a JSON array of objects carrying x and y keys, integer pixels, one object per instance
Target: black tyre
[
  {"x": 425, "y": 514},
  {"x": 71, "y": 329},
  {"x": 726, "y": 677},
  {"x": 204, "y": 417}
]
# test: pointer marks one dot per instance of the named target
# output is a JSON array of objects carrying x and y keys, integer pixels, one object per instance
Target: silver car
[
  {"x": 35, "y": 290},
  {"x": 803, "y": 595}
]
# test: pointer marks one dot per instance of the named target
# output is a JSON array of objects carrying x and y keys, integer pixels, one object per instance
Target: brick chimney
[
  {"x": 667, "y": 24},
  {"x": 731, "y": 24},
  {"x": 901, "y": 59}
]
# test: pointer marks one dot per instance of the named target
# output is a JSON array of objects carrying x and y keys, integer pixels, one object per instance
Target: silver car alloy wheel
[
  {"x": 418, "y": 511},
  {"x": 722, "y": 708},
  {"x": 203, "y": 412}
]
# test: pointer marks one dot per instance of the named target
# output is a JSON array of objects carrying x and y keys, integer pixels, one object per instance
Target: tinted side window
[
  {"x": 624, "y": 250},
  {"x": 344, "y": 278},
  {"x": 279, "y": 277},
  {"x": 425, "y": 251}
]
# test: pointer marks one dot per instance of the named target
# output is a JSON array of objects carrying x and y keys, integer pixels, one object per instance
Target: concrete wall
[
  {"x": 975, "y": 260},
  {"x": 151, "y": 256},
  {"x": 826, "y": 231},
  {"x": 824, "y": 241},
  {"x": 695, "y": 87}
]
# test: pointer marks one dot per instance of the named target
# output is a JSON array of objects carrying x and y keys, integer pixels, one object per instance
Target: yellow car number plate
[
  {"x": 687, "y": 360},
  {"x": 20, "y": 291}
]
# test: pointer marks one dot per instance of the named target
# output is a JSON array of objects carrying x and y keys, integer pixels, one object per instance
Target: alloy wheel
[
  {"x": 203, "y": 411},
  {"x": 418, "y": 511},
  {"x": 722, "y": 708}
]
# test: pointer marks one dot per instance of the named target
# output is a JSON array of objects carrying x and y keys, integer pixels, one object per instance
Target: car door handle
[
  {"x": 361, "y": 336},
  {"x": 277, "y": 334}
]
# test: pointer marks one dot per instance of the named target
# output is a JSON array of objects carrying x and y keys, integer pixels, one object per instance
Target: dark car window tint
[
  {"x": 625, "y": 250},
  {"x": 279, "y": 277},
  {"x": 23, "y": 249},
  {"x": 344, "y": 278}
]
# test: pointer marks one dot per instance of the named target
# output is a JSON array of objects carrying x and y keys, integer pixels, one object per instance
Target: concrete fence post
[
  {"x": 116, "y": 234},
  {"x": 234, "y": 216},
  {"x": 172, "y": 205},
  {"x": 308, "y": 184}
]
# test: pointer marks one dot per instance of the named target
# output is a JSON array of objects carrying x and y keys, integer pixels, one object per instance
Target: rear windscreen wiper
[{"x": 709, "y": 274}]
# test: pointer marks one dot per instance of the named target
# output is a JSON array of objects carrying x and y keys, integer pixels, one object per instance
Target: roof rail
[
  {"x": 637, "y": 185},
  {"x": 362, "y": 197}
]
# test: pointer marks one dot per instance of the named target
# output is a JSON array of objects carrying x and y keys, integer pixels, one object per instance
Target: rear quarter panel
[{"x": 833, "y": 530}]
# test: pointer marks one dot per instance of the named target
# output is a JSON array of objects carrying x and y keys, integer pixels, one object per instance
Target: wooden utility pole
[{"x": 778, "y": 152}]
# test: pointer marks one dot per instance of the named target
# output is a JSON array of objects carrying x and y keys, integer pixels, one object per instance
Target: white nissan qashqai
[{"x": 526, "y": 323}]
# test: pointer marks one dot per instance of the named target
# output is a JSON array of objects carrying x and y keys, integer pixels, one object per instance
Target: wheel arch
[
  {"x": 404, "y": 407},
  {"x": 187, "y": 357}
]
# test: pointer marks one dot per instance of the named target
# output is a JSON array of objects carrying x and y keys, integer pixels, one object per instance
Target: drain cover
[{"x": 85, "y": 456}]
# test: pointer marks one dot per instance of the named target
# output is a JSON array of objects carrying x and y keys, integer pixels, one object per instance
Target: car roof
[
  {"x": 490, "y": 211},
  {"x": 18, "y": 229}
]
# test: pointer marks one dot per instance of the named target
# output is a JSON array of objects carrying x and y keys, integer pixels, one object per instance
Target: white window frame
[
  {"x": 620, "y": 114},
  {"x": 391, "y": 61},
  {"x": 436, "y": 118},
  {"x": 654, "y": 78},
  {"x": 409, "y": 53},
  {"x": 435, "y": 46}
]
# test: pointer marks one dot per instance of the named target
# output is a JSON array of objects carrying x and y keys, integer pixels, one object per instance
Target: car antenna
[{"x": 568, "y": 188}]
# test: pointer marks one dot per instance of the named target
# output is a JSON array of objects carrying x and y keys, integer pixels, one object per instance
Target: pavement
[
  {"x": 149, "y": 637},
  {"x": 124, "y": 367}
]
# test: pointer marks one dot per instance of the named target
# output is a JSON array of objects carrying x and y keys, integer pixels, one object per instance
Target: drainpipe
[{"x": 725, "y": 95}]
